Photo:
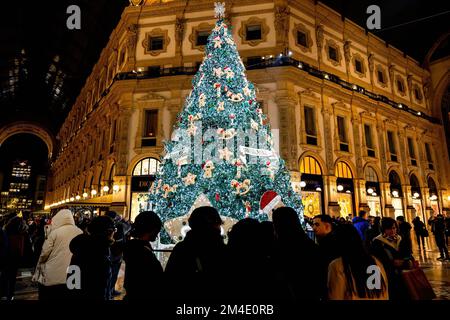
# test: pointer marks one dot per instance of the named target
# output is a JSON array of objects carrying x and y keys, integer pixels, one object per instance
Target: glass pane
[
  {"x": 332, "y": 53},
  {"x": 310, "y": 125},
  {"x": 391, "y": 142},
  {"x": 412, "y": 153},
  {"x": 358, "y": 66},
  {"x": 156, "y": 43},
  {"x": 428, "y": 152},
  {"x": 253, "y": 32},
  {"x": 137, "y": 169},
  {"x": 341, "y": 129},
  {"x": 145, "y": 165},
  {"x": 153, "y": 166},
  {"x": 368, "y": 136},
  {"x": 301, "y": 38},
  {"x": 202, "y": 38},
  {"x": 151, "y": 123}
]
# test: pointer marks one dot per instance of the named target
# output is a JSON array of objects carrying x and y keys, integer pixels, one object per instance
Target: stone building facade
[{"x": 358, "y": 123}]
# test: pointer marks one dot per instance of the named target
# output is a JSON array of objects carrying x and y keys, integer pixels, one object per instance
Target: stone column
[
  {"x": 119, "y": 200},
  {"x": 328, "y": 137},
  {"x": 360, "y": 195},
  {"x": 288, "y": 131},
  {"x": 388, "y": 208}
]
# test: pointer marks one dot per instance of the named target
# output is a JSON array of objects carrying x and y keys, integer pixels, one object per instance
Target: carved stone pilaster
[
  {"x": 327, "y": 118},
  {"x": 319, "y": 41},
  {"x": 347, "y": 54},
  {"x": 122, "y": 148},
  {"x": 180, "y": 26},
  {"x": 282, "y": 25},
  {"x": 288, "y": 131},
  {"x": 380, "y": 131},
  {"x": 357, "y": 145},
  {"x": 132, "y": 31}
]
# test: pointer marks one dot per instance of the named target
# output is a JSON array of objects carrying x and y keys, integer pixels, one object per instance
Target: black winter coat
[
  {"x": 92, "y": 255},
  {"x": 143, "y": 272}
]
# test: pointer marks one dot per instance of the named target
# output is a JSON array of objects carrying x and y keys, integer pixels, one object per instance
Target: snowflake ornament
[{"x": 219, "y": 10}]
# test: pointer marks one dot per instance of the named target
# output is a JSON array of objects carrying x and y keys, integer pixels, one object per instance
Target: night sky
[{"x": 43, "y": 65}]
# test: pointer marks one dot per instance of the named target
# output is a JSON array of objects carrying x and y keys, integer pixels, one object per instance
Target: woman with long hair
[{"x": 348, "y": 275}]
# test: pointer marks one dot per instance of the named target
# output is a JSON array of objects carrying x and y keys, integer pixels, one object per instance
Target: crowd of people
[{"x": 274, "y": 260}]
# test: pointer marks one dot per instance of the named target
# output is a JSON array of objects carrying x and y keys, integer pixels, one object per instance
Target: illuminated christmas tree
[{"x": 221, "y": 152}]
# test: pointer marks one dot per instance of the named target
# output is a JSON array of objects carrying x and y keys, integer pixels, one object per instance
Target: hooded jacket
[
  {"x": 361, "y": 226},
  {"x": 55, "y": 255}
]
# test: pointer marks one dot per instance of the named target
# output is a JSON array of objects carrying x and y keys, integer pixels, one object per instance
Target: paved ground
[{"x": 438, "y": 273}]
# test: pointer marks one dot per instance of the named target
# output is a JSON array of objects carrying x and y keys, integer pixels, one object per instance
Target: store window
[
  {"x": 416, "y": 196},
  {"x": 311, "y": 186},
  {"x": 142, "y": 177},
  {"x": 345, "y": 189},
  {"x": 396, "y": 193},
  {"x": 373, "y": 192},
  {"x": 433, "y": 191}
]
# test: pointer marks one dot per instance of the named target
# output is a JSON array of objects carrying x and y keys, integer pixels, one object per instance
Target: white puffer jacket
[{"x": 55, "y": 256}]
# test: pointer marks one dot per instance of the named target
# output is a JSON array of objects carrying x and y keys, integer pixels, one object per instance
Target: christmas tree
[{"x": 221, "y": 152}]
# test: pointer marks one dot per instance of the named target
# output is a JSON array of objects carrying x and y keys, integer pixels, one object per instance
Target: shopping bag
[{"x": 417, "y": 284}]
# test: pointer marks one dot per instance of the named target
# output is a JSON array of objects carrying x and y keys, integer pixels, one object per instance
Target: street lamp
[
  {"x": 370, "y": 191},
  {"x": 340, "y": 187},
  {"x": 105, "y": 189},
  {"x": 116, "y": 188},
  {"x": 395, "y": 193},
  {"x": 93, "y": 192},
  {"x": 72, "y": 198},
  {"x": 302, "y": 184},
  {"x": 78, "y": 197},
  {"x": 416, "y": 195}
]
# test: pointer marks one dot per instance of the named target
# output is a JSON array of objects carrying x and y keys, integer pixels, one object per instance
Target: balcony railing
[{"x": 282, "y": 61}]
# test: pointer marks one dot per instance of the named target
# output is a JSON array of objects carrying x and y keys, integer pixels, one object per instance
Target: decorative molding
[
  {"x": 330, "y": 43},
  {"x": 282, "y": 24},
  {"x": 253, "y": 21},
  {"x": 357, "y": 56},
  {"x": 380, "y": 68},
  {"x": 399, "y": 78},
  {"x": 204, "y": 26},
  {"x": 158, "y": 32},
  {"x": 300, "y": 27}
]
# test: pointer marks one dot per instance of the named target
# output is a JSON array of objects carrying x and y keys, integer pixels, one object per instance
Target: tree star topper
[{"x": 219, "y": 9}]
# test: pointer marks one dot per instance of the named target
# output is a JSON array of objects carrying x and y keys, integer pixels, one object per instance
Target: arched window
[
  {"x": 112, "y": 172},
  {"x": 432, "y": 187},
  {"x": 371, "y": 175},
  {"x": 343, "y": 171},
  {"x": 415, "y": 186},
  {"x": 309, "y": 165},
  {"x": 146, "y": 167},
  {"x": 396, "y": 184}
]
